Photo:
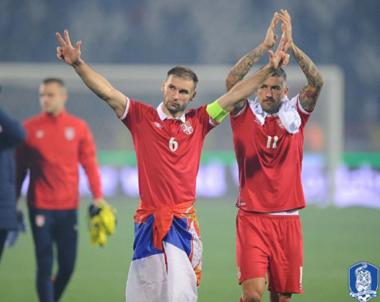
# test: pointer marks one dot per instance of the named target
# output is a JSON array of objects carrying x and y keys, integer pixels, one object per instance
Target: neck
[
  {"x": 275, "y": 108},
  {"x": 272, "y": 111},
  {"x": 54, "y": 113},
  {"x": 173, "y": 114}
]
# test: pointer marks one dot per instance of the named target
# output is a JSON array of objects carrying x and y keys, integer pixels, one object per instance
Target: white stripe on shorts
[{"x": 293, "y": 212}]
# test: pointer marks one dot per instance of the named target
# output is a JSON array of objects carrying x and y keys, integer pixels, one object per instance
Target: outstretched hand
[
  {"x": 279, "y": 58},
  {"x": 286, "y": 28},
  {"x": 270, "y": 37},
  {"x": 66, "y": 51}
]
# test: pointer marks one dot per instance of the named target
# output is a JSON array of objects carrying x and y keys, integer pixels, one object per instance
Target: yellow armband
[{"x": 216, "y": 112}]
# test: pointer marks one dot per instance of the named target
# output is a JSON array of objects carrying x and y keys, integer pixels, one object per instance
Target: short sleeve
[
  {"x": 134, "y": 113},
  {"x": 305, "y": 115},
  {"x": 235, "y": 115},
  {"x": 205, "y": 120}
]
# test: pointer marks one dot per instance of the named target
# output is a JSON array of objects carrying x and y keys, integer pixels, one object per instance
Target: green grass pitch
[{"x": 334, "y": 239}]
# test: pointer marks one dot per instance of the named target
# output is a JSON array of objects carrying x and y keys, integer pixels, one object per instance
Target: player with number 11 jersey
[{"x": 269, "y": 158}]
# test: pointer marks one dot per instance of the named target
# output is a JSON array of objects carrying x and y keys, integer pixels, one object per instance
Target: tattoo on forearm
[
  {"x": 309, "y": 94},
  {"x": 242, "y": 67}
]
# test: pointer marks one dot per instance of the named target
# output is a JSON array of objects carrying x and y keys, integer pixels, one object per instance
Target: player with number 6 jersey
[{"x": 168, "y": 151}]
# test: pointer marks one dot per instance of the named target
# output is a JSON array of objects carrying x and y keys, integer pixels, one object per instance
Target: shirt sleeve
[
  {"x": 87, "y": 158},
  {"x": 205, "y": 120},
  {"x": 11, "y": 132},
  {"x": 134, "y": 115},
  {"x": 234, "y": 115},
  {"x": 305, "y": 115}
]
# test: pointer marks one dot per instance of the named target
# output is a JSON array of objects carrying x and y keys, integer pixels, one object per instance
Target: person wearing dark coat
[{"x": 11, "y": 134}]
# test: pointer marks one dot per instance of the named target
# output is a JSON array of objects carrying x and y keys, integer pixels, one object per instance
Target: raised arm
[
  {"x": 248, "y": 86},
  {"x": 242, "y": 67},
  {"x": 310, "y": 92},
  {"x": 97, "y": 83}
]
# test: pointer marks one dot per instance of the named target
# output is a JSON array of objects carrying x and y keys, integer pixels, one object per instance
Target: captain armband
[{"x": 216, "y": 112}]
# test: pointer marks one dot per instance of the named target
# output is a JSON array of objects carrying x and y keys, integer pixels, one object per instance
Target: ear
[
  {"x": 163, "y": 86},
  {"x": 286, "y": 90},
  {"x": 65, "y": 97},
  {"x": 193, "y": 96}
]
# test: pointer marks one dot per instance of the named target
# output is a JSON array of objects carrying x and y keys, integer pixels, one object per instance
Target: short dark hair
[
  {"x": 54, "y": 80},
  {"x": 183, "y": 72},
  {"x": 279, "y": 72}
]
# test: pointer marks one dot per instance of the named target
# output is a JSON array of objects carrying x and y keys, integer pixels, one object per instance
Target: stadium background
[{"x": 149, "y": 36}]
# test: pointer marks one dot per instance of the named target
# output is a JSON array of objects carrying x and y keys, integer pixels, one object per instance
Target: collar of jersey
[
  {"x": 163, "y": 116},
  {"x": 55, "y": 117},
  {"x": 259, "y": 111}
]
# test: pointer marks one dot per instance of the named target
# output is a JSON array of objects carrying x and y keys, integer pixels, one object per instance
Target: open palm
[
  {"x": 66, "y": 51},
  {"x": 279, "y": 58},
  {"x": 270, "y": 37}
]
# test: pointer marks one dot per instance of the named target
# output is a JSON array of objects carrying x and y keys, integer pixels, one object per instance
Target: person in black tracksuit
[{"x": 11, "y": 134}]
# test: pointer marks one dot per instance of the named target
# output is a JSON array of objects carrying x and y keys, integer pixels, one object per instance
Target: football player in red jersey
[
  {"x": 168, "y": 141},
  {"x": 55, "y": 144},
  {"x": 268, "y": 138}
]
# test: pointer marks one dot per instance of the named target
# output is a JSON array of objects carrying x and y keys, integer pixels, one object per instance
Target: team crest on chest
[
  {"x": 40, "y": 134},
  {"x": 157, "y": 125},
  {"x": 69, "y": 133},
  {"x": 187, "y": 128}
]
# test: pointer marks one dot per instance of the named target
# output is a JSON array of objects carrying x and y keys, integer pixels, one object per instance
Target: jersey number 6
[{"x": 173, "y": 144}]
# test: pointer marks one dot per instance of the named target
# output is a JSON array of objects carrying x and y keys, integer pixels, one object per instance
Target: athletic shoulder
[
  {"x": 33, "y": 120},
  {"x": 137, "y": 107}
]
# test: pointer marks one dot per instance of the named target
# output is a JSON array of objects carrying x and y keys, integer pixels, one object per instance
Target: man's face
[
  {"x": 52, "y": 98},
  {"x": 271, "y": 93},
  {"x": 177, "y": 93}
]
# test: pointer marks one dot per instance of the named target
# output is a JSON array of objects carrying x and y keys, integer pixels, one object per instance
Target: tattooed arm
[
  {"x": 308, "y": 94},
  {"x": 242, "y": 67}
]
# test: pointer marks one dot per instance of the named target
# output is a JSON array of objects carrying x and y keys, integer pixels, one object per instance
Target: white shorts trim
[{"x": 289, "y": 213}]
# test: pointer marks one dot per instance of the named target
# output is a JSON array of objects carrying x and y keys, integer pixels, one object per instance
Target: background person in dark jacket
[{"x": 11, "y": 134}]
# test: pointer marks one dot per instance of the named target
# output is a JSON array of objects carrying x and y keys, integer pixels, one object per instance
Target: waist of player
[
  {"x": 163, "y": 218},
  {"x": 164, "y": 211},
  {"x": 290, "y": 213},
  {"x": 293, "y": 212}
]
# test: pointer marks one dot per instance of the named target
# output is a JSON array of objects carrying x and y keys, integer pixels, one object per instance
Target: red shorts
[{"x": 270, "y": 245}]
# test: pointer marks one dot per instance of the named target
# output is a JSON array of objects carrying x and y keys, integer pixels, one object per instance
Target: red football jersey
[
  {"x": 54, "y": 147},
  {"x": 168, "y": 152},
  {"x": 269, "y": 161}
]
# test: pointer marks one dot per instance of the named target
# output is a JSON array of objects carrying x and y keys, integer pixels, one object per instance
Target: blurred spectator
[{"x": 11, "y": 134}]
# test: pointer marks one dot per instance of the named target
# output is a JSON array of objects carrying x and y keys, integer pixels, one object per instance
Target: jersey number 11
[{"x": 272, "y": 142}]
